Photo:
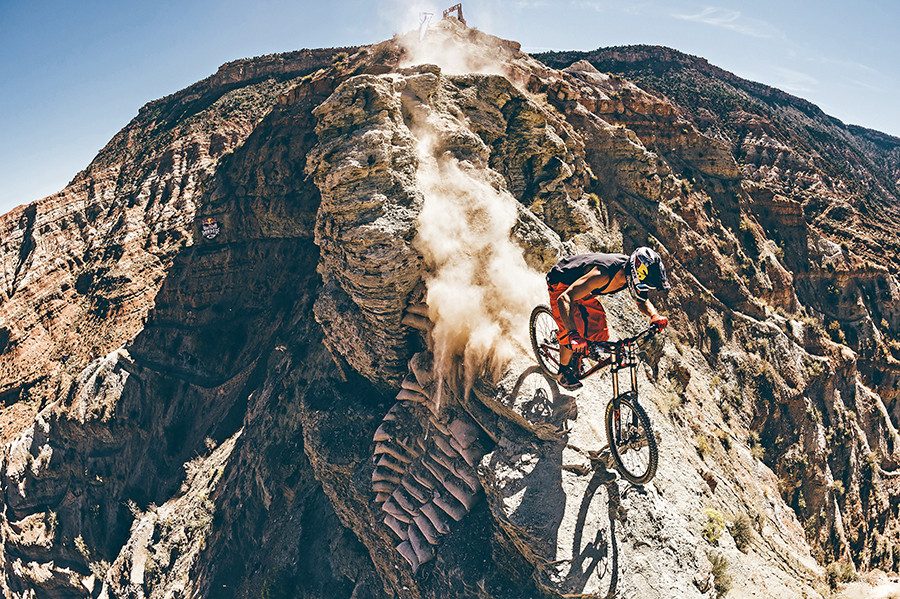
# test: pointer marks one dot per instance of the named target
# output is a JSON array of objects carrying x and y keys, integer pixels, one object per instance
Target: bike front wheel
[
  {"x": 631, "y": 440},
  {"x": 543, "y": 329}
]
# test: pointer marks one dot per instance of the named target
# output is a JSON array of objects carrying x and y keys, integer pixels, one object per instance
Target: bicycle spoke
[
  {"x": 634, "y": 447},
  {"x": 544, "y": 340}
]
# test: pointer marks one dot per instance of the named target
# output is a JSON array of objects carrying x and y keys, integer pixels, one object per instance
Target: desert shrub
[
  {"x": 340, "y": 59},
  {"x": 840, "y": 573},
  {"x": 835, "y": 332},
  {"x": 742, "y": 531},
  {"x": 779, "y": 254},
  {"x": 721, "y": 577},
  {"x": 98, "y": 568},
  {"x": 756, "y": 448},
  {"x": 702, "y": 445},
  {"x": 714, "y": 526},
  {"x": 814, "y": 368},
  {"x": 813, "y": 326},
  {"x": 670, "y": 402},
  {"x": 723, "y": 438}
]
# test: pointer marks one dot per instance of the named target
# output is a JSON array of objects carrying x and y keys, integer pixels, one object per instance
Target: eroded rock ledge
[{"x": 300, "y": 415}]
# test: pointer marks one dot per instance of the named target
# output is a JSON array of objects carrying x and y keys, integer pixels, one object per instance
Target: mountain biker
[{"x": 576, "y": 283}]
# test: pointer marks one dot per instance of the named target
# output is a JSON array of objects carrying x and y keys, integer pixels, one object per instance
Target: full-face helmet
[{"x": 645, "y": 271}]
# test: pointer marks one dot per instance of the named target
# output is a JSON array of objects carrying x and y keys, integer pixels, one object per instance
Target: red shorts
[{"x": 588, "y": 313}]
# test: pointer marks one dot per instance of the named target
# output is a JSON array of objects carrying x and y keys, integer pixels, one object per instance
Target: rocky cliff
[{"x": 273, "y": 341}]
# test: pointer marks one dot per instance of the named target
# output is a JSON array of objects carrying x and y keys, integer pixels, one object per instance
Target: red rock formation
[
  {"x": 81, "y": 267},
  {"x": 279, "y": 420}
]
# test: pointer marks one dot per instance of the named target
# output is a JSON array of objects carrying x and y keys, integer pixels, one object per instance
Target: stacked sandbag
[{"x": 425, "y": 458}]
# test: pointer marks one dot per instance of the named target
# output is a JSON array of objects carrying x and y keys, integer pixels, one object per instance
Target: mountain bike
[{"x": 632, "y": 442}]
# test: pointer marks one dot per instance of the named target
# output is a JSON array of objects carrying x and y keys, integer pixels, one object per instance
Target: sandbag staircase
[{"x": 425, "y": 458}]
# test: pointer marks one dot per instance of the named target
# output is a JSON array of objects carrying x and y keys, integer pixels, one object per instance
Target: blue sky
[{"x": 74, "y": 73}]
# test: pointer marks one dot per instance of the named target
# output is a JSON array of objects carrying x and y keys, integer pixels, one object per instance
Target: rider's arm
[
  {"x": 646, "y": 308},
  {"x": 576, "y": 291}
]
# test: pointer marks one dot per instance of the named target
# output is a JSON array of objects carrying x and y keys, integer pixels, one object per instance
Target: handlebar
[{"x": 639, "y": 339}]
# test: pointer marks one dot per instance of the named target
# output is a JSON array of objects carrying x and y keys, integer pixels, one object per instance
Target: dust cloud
[
  {"x": 453, "y": 57},
  {"x": 442, "y": 46},
  {"x": 480, "y": 291}
]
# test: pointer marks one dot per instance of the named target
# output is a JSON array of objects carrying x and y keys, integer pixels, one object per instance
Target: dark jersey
[{"x": 568, "y": 270}]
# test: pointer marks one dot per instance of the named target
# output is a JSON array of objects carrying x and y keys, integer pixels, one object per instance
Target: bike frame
[
  {"x": 636, "y": 434},
  {"x": 623, "y": 354}
]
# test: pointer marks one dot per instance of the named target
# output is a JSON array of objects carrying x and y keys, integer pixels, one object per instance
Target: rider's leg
[
  {"x": 595, "y": 328},
  {"x": 567, "y": 377},
  {"x": 565, "y": 351},
  {"x": 565, "y": 354}
]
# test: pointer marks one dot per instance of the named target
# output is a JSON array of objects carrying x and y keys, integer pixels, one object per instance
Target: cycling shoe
[{"x": 568, "y": 380}]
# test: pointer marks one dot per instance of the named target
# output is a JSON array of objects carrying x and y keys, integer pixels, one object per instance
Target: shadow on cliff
[
  {"x": 567, "y": 552},
  {"x": 600, "y": 556}
]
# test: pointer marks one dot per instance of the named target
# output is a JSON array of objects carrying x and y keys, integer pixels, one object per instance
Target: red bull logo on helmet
[{"x": 642, "y": 271}]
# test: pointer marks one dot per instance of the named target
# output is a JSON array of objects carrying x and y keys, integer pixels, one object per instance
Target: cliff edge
[{"x": 274, "y": 341}]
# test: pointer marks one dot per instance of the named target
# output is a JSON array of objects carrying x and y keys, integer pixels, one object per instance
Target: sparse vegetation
[
  {"x": 279, "y": 585},
  {"x": 837, "y": 486},
  {"x": 98, "y": 568},
  {"x": 837, "y": 573},
  {"x": 721, "y": 577},
  {"x": 813, "y": 413},
  {"x": 671, "y": 401},
  {"x": 340, "y": 60},
  {"x": 835, "y": 332},
  {"x": 724, "y": 438},
  {"x": 741, "y": 531},
  {"x": 868, "y": 470},
  {"x": 702, "y": 445},
  {"x": 714, "y": 525},
  {"x": 814, "y": 368},
  {"x": 749, "y": 239},
  {"x": 756, "y": 448}
]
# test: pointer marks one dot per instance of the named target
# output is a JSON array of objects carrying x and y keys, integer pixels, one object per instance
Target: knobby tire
[
  {"x": 646, "y": 436},
  {"x": 542, "y": 328}
]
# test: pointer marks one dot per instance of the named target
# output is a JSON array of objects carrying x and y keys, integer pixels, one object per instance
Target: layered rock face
[
  {"x": 81, "y": 268},
  {"x": 333, "y": 393}
]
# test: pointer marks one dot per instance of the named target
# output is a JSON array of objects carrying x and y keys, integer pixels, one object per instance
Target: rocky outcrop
[
  {"x": 320, "y": 384},
  {"x": 366, "y": 224},
  {"x": 81, "y": 268}
]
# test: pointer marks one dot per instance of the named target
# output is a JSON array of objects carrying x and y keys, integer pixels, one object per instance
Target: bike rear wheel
[
  {"x": 633, "y": 444},
  {"x": 543, "y": 329}
]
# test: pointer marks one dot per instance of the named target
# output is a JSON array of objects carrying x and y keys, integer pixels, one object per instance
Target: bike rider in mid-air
[{"x": 576, "y": 283}]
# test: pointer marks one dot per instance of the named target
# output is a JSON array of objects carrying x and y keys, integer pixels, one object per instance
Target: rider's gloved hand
[
  {"x": 660, "y": 321},
  {"x": 578, "y": 344}
]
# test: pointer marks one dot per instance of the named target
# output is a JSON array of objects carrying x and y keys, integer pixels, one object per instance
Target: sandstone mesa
[{"x": 230, "y": 365}]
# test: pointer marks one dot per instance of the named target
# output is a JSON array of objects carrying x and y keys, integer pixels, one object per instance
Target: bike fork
[
  {"x": 617, "y": 421},
  {"x": 617, "y": 404}
]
